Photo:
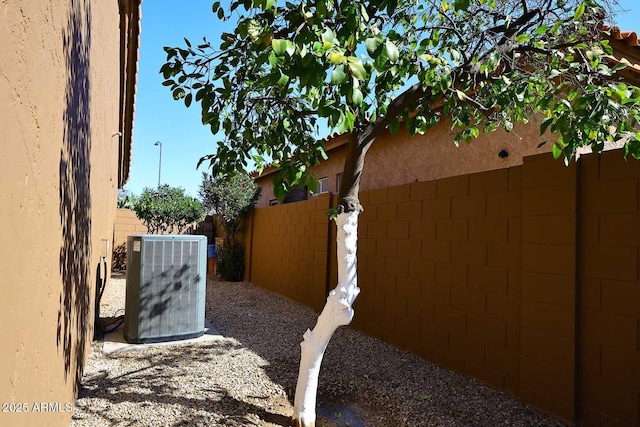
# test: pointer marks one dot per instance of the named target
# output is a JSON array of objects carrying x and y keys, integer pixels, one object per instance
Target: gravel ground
[{"x": 248, "y": 378}]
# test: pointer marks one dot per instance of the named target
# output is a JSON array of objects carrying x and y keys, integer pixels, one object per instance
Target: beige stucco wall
[
  {"x": 59, "y": 66},
  {"x": 401, "y": 159}
]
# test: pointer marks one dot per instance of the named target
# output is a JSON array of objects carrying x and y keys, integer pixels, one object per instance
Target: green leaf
[
  {"x": 391, "y": 6},
  {"x": 336, "y": 58},
  {"x": 291, "y": 47},
  {"x": 508, "y": 126},
  {"x": 339, "y": 75},
  {"x": 542, "y": 30},
  {"x": 350, "y": 119},
  {"x": 179, "y": 93},
  {"x": 273, "y": 59},
  {"x": 606, "y": 47},
  {"x": 579, "y": 12},
  {"x": 572, "y": 94},
  {"x": 544, "y": 125},
  {"x": 283, "y": 80},
  {"x": 394, "y": 126},
  {"x": 633, "y": 147},
  {"x": 329, "y": 39},
  {"x": 372, "y": 45},
  {"x": 392, "y": 51},
  {"x": 357, "y": 70},
  {"x": 356, "y": 96},
  {"x": 323, "y": 153},
  {"x": 556, "y": 150},
  {"x": 380, "y": 61},
  {"x": 462, "y": 4},
  {"x": 279, "y": 46},
  {"x": 364, "y": 13}
]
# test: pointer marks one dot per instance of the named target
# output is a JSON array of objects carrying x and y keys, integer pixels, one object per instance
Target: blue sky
[{"x": 159, "y": 118}]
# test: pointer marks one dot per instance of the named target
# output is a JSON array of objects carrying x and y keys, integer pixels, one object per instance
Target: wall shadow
[{"x": 75, "y": 195}]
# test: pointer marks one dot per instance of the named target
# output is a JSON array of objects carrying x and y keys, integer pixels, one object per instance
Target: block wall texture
[
  {"x": 479, "y": 273},
  {"x": 289, "y": 250},
  {"x": 609, "y": 290},
  {"x": 127, "y": 223},
  {"x": 439, "y": 268},
  {"x": 548, "y": 279}
]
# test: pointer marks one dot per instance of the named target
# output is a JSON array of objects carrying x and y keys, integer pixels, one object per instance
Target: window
[
  {"x": 273, "y": 202},
  {"x": 323, "y": 185},
  {"x": 338, "y": 182}
]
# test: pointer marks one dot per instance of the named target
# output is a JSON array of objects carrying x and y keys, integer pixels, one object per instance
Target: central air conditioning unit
[{"x": 166, "y": 283}]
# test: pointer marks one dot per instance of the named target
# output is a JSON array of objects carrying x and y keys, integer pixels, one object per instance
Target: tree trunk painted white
[{"x": 336, "y": 312}]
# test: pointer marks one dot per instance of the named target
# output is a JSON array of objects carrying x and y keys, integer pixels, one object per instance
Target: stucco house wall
[{"x": 61, "y": 113}]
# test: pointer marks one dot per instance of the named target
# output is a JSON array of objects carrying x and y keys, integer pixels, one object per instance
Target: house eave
[{"x": 130, "y": 15}]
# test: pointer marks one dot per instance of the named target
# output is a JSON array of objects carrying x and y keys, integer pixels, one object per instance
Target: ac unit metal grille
[{"x": 166, "y": 279}]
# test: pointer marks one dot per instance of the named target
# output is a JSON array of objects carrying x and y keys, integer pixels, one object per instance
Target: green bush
[
  {"x": 167, "y": 209},
  {"x": 230, "y": 200},
  {"x": 230, "y": 263}
]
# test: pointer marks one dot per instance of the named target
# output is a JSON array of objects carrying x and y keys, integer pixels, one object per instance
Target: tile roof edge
[{"x": 629, "y": 38}]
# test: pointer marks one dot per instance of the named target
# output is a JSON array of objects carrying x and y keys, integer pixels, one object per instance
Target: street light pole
[{"x": 159, "y": 161}]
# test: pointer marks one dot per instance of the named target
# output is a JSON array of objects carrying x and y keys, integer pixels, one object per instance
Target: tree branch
[{"x": 417, "y": 92}]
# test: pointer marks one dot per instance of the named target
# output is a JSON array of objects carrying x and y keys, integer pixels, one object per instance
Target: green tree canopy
[
  {"x": 126, "y": 199},
  {"x": 363, "y": 66},
  {"x": 167, "y": 209},
  {"x": 230, "y": 199}
]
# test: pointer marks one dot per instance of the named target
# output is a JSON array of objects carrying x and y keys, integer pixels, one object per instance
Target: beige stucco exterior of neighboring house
[
  {"x": 68, "y": 72},
  {"x": 401, "y": 159}
]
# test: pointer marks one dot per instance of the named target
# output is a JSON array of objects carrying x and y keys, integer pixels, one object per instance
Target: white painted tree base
[{"x": 337, "y": 312}]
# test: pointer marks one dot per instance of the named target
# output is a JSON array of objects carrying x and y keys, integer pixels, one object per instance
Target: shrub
[
  {"x": 119, "y": 258},
  {"x": 230, "y": 199},
  {"x": 230, "y": 263}
]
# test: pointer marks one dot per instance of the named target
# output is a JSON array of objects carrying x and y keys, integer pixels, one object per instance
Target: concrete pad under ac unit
[{"x": 114, "y": 340}]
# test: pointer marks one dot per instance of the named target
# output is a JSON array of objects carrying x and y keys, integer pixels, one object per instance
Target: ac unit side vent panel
[{"x": 166, "y": 282}]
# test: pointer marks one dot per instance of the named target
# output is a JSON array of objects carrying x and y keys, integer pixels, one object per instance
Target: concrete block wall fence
[
  {"x": 609, "y": 290},
  {"x": 127, "y": 223},
  {"x": 287, "y": 250},
  {"x": 492, "y": 274}
]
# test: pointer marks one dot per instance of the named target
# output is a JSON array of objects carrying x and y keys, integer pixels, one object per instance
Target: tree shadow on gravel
[
  {"x": 160, "y": 381},
  {"x": 367, "y": 391}
]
